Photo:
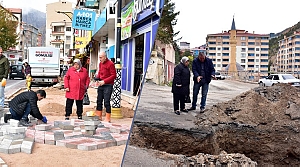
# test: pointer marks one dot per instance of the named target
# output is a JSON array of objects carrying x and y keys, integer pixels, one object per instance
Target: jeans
[
  {"x": 104, "y": 93},
  {"x": 2, "y": 97},
  {"x": 69, "y": 107},
  {"x": 204, "y": 91},
  {"x": 178, "y": 98},
  {"x": 15, "y": 116}
]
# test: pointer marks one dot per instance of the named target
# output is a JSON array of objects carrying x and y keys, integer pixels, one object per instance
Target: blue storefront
[{"x": 136, "y": 50}]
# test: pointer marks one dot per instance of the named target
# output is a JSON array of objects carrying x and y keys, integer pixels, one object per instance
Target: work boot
[
  {"x": 7, "y": 117},
  {"x": 99, "y": 114},
  {"x": 107, "y": 118},
  {"x": 23, "y": 122}
]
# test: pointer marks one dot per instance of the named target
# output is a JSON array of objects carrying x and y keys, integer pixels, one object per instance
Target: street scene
[{"x": 249, "y": 66}]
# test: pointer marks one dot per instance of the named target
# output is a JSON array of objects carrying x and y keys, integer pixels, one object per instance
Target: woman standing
[
  {"x": 76, "y": 83},
  {"x": 181, "y": 85}
]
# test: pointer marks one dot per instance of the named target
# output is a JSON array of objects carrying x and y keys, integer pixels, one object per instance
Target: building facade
[
  {"x": 185, "y": 46},
  {"x": 30, "y": 37},
  {"x": 288, "y": 56},
  {"x": 201, "y": 49},
  {"x": 251, "y": 50},
  {"x": 18, "y": 13},
  {"x": 59, "y": 31}
]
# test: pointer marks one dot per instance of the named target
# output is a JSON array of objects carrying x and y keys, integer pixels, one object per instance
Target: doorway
[{"x": 138, "y": 63}]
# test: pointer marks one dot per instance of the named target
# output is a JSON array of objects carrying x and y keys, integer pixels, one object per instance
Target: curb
[{"x": 8, "y": 97}]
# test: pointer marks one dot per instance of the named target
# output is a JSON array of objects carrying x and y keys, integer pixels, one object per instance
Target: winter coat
[
  {"x": 4, "y": 67},
  {"x": 77, "y": 82},
  {"x": 18, "y": 104},
  {"x": 107, "y": 72},
  {"x": 208, "y": 68},
  {"x": 182, "y": 76}
]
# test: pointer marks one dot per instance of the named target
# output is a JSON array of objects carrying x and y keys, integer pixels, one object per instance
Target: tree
[
  {"x": 8, "y": 27},
  {"x": 165, "y": 32}
]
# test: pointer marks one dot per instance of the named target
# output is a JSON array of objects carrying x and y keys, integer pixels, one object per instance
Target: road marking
[{"x": 14, "y": 84}]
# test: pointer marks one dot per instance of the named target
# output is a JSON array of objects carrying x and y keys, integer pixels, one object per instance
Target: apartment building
[
  {"x": 200, "y": 49},
  {"x": 185, "y": 46},
  {"x": 30, "y": 37},
  {"x": 59, "y": 31},
  {"x": 248, "y": 50},
  {"x": 288, "y": 55},
  {"x": 17, "y": 12}
]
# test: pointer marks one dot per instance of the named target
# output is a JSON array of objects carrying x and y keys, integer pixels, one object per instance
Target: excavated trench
[{"x": 263, "y": 126}]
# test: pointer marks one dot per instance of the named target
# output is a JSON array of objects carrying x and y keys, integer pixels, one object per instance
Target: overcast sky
[
  {"x": 36, "y": 4},
  {"x": 198, "y": 17}
]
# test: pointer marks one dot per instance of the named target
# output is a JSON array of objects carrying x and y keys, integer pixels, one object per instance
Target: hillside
[{"x": 37, "y": 19}]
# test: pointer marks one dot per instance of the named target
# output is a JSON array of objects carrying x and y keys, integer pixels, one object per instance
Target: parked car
[
  {"x": 279, "y": 78},
  {"x": 17, "y": 71},
  {"x": 219, "y": 76}
]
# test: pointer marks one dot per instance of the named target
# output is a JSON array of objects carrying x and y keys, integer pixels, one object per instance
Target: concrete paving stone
[
  {"x": 15, "y": 136},
  {"x": 15, "y": 142},
  {"x": 39, "y": 137},
  {"x": 59, "y": 135},
  {"x": 66, "y": 127},
  {"x": 6, "y": 142},
  {"x": 14, "y": 123},
  {"x": 4, "y": 127},
  {"x": 72, "y": 122},
  {"x": 14, "y": 149},
  {"x": 57, "y": 123},
  {"x": 72, "y": 145},
  {"x": 63, "y": 142},
  {"x": 110, "y": 143},
  {"x": 77, "y": 129},
  {"x": 16, "y": 130},
  {"x": 99, "y": 130},
  {"x": 1, "y": 133},
  {"x": 1, "y": 138},
  {"x": 114, "y": 129},
  {"x": 90, "y": 118},
  {"x": 43, "y": 127},
  {"x": 101, "y": 144},
  {"x": 95, "y": 123},
  {"x": 2, "y": 162},
  {"x": 89, "y": 132},
  {"x": 2, "y": 120},
  {"x": 27, "y": 146},
  {"x": 121, "y": 140},
  {"x": 30, "y": 133},
  {"x": 107, "y": 124},
  {"x": 88, "y": 146},
  {"x": 4, "y": 149},
  {"x": 101, "y": 125},
  {"x": 90, "y": 127},
  {"x": 49, "y": 138}
]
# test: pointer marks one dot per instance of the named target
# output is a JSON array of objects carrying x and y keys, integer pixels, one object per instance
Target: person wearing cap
[
  {"x": 4, "y": 70},
  {"x": 76, "y": 83},
  {"x": 181, "y": 85},
  {"x": 203, "y": 71}
]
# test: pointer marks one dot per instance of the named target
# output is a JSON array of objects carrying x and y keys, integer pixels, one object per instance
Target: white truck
[{"x": 45, "y": 64}]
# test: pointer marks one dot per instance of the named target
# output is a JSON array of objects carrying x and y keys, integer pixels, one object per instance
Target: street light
[{"x": 70, "y": 16}]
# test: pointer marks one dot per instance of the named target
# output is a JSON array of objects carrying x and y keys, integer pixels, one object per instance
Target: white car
[
  {"x": 219, "y": 76},
  {"x": 279, "y": 78}
]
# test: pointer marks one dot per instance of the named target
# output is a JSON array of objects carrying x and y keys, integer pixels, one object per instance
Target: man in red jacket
[{"x": 106, "y": 77}]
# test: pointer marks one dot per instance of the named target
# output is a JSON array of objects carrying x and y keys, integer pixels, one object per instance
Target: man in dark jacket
[
  {"x": 203, "y": 70},
  {"x": 4, "y": 70},
  {"x": 24, "y": 104}
]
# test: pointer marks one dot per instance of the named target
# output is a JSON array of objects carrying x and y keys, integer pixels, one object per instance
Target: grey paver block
[
  {"x": 14, "y": 149},
  {"x": 60, "y": 143},
  {"x": 6, "y": 142},
  {"x": 90, "y": 132},
  {"x": 90, "y": 127},
  {"x": 90, "y": 118},
  {"x": 27, "y": 146},
  {"x": 43, "y": 127},
  {"x": 66, "y": 127},
  {"x": 16, "y": 130},
  {"x": 58, "y": 135},
  {"x": 115, "y": 130},
  {"x": 16, "y": 142},
  {"x": 87, "y": 146},
  {"x": 71, "y": 145},
  {"x": 13, "y": 123},
  {"x": 4, "y": 149},
  {"x": 95, "y": 123},
  {"x": 15, "y": 136}
]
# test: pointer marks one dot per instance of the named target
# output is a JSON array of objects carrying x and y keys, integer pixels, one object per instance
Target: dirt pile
[{"x": 262, "y": 123}]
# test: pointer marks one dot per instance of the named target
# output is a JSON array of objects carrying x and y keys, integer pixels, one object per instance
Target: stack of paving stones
[{"x": 87, "y": 134}]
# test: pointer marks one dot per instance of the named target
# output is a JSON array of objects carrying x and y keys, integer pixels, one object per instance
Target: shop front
[{"x": 137, "y": 41}]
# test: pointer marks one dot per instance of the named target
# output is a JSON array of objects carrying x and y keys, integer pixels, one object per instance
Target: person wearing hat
[
  {"x": 4, "y": 70},
  {"x": 181, "y": 85},
  {"x": 76, "y": 83}
]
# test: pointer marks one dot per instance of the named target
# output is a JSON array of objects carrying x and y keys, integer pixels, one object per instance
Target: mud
[{"x": 263, "y": 124}]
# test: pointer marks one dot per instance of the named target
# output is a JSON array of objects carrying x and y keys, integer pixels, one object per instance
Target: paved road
[
  {"x": 13, "y": 85},
  {"x": 156, "y": 104}
]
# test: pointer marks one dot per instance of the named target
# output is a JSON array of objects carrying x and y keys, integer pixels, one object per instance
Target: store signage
[
  {"x": 84, "y": 20},
  {"x": 140, "y": 6}
]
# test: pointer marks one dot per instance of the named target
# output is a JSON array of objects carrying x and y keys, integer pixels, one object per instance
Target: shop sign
[
  {"x": 140, "y": 6},
  {"x": 126, "y": 21},
  {"x": 84, "y": 20}
]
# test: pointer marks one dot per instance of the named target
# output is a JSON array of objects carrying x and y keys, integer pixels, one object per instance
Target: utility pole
[{"x": 116, "y": 106}]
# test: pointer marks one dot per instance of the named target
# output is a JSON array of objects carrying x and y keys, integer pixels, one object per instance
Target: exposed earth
[{"x": 262, "y": 124}]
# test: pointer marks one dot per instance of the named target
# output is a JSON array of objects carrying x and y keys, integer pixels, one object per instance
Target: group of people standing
[{"x": 203, "y": 72}]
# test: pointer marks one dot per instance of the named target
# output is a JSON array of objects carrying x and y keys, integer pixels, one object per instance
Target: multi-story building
[
  {"x": 40, "y": 40},
  {"x": 59, "y": 31},
  {"x": 288, "y": 56},
  {"x": 18, "y": 13},
  {"x": 184, "y": 46},
  {"x": 251, "y": 50},
  {"x": 30, "y": 37},
  {"x": 200, "y": 49}
]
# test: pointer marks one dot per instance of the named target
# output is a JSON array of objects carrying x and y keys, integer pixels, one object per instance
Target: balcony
[
  {"x": 56, "y": 41},
  {"x": 58, "y": 33}
]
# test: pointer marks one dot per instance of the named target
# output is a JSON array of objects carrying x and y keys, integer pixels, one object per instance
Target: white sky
[
  {"x": 35, "y": 4},
  {"x": 199, "y": 17}
]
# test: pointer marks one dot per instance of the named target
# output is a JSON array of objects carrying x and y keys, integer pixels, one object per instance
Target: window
[
  {"x": 68, "y": 29},
  {"x": 251, "y": 43},
  {"x": 276, "y": 77},
  {"x": 243, "y": 54},
  {"x": 265, "y": 55},
  {"x": 251, "y": 49},
  {"x": 243, "y": 49},
  {"x": 225, "y": 54},
  {"x": 257, "y": 60},
  {"x": 264, "y": 49},
  {"x": 57, "y": 45},
  {"x": 219, "y": 48},
  {"x": 256, "y": 66},
  {"x": 225, "y": 37},
  {"x": 257, "y": 43},
  {"x": 219, "y": 43},
  {"x": 218, "y": 54},
  {"x": 57, "y": 37},
  {"x": 257, "y": 55},
  {"x": 243, "y": 43},
  {"x": 218, "y": 60},
  {"x": 266, "y": 38},
  {"x": 270, "y": 77},
  {"x": 68, "y": 38},
  {"x": 263, "y": 60},
  {"x": 212, "y": 54},
  {"x": 243, "y": 38},
  {"x": 67, "y": 46},
  {"x": 218, "y": 65},
  {"x": 256, "y": 49},
  {"x": 250, "y": 60},
  {"x": 265, "y": 43},
  {"x": 250, "y": 54},
  {"x": 243, "y": 61},
  {"x": 251, "y": 38},
  {"x": 212, "y": 43},
  {"x": 225, "y": 43},
  {"x": 211, "y": 48},
  {"x": 225, "y": 48}
]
